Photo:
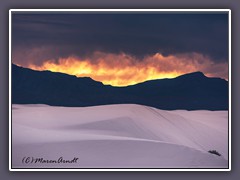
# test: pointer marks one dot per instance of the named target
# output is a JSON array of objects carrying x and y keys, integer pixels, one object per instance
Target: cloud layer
[
  {"x": 138, "y": 34},
  {"x": 123, "y": 69}
]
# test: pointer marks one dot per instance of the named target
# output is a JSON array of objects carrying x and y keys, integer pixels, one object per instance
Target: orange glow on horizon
[{"x": 123, "y": 69}]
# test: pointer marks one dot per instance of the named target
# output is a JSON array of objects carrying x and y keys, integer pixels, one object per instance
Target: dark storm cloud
[{"x": 61, "y": 35}]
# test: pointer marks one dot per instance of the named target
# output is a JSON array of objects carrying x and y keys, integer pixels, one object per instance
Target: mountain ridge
[{"x": 189, "y": 91}]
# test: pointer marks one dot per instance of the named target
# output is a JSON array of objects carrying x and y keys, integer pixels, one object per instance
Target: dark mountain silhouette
[{"x": 190, "y": 91}]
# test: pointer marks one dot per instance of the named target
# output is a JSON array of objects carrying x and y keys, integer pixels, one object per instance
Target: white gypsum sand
[{"x": 118, "y": 136}]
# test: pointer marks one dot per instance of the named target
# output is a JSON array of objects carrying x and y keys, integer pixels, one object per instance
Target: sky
[{"x": 122, "y": 49}]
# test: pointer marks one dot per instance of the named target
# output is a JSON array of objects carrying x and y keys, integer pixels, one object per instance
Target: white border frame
[{"x": 117, "y": 10}]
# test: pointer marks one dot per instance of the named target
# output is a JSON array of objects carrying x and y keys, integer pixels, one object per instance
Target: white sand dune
[{"x": 119, "y": 136}]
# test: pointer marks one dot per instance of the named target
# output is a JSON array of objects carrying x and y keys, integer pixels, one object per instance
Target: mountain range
[{"x": 193, "y": 91}]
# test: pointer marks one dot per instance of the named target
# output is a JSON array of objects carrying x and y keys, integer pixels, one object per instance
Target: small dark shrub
[{"x": 214, "y": 152}]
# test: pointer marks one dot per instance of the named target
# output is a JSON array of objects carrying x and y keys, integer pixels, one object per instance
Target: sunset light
[{"x": 124, "y": 70}]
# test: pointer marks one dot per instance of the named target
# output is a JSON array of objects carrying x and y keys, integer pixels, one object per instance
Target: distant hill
[{"x": 190, "y": 91}]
